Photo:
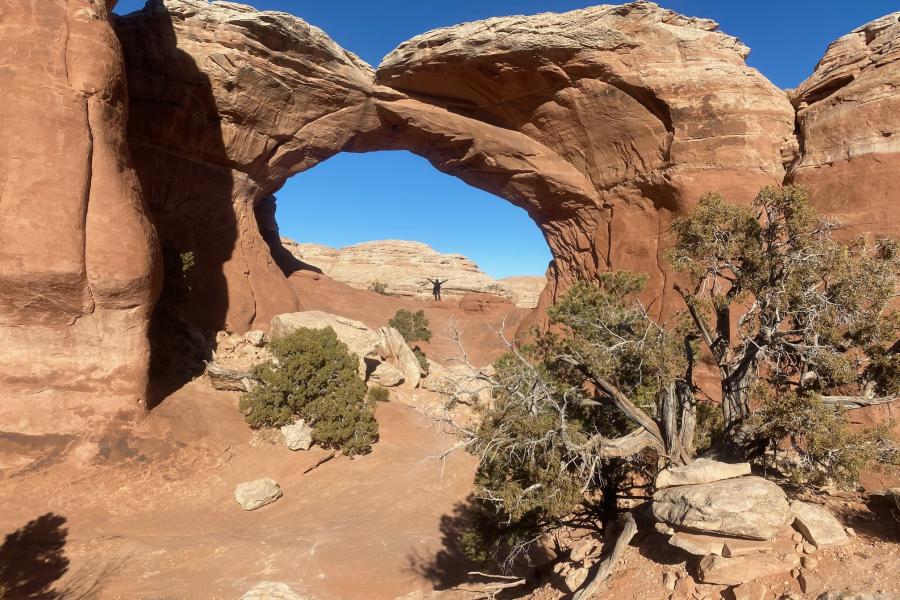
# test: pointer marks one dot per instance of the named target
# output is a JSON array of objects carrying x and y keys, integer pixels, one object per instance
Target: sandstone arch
[
  {"x": 576, "y": 118},
  {"x": 603, "y": 123}
]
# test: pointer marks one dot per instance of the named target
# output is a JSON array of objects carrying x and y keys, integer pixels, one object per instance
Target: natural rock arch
[
  {"x": 576, "y": 118},
  {"x": 603, "y": 123}
]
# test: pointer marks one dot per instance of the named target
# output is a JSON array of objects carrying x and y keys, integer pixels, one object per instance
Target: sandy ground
[{"x": 152, "y": 515}]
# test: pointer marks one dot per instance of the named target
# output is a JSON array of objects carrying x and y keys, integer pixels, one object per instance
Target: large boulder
[
  {"x": 818, "y": 525},
  {"x": 702, "y": 470},
  {"x": 749, "y": 507},
  {"x": 393, "y": 347},
  {"x": 360, "y": 340},
  {"x": 386, "y": 374}
]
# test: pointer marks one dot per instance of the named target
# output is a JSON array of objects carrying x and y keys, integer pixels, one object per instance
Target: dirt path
[{"x": 152, "y": 515}]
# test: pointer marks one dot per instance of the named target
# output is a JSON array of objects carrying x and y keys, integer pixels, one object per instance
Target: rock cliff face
[
  {"x": 848, "y": 114},
  {"x": 602, "y": 123},
  {"x": 77, "y": 252},
  {"x": 403, "y": 266}
]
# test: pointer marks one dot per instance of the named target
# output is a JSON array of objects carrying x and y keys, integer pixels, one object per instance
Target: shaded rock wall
[{"x": 78, "y": 263}]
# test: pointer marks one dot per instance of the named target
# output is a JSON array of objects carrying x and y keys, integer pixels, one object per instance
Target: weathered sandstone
[
  {"x": 257, "y": 493},
  {"x": 818, "y": 525},
  {"x": 702, "y": 470},
  {"x": 749, "y": 507},
  {"x": 848, "y": 113},
  {"x": 603, "y": 123},
  {"x": 405, "y": 266},
  {"x": 78, "y": 270}
]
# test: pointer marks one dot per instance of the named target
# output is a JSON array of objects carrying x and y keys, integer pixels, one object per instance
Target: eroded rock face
[
  {"x": 848, "y": 112},
  {"x": 77, "y": 253},
  {"x": 640, "y": 110},
  {"x": 405, "y": 266}
]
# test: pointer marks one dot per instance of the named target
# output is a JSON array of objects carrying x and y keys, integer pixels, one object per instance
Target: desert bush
[
  {"x": 379, "y": 287},
  {"x": 821, "y": 437},
  {"x": 313, "y": 377},
  {"x": 413, "y": 326},
  {"x": 379, "y": 393}
]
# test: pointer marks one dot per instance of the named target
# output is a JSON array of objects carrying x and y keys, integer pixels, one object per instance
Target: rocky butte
[
  {"x": 404, "y": 267},
  {"x": 170, "y": 127}
]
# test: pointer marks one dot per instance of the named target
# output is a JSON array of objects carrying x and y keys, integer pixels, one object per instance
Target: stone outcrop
[
  {"x": 241, "y": 100},
  {"x": 848, "y": 113},
  {"x": 817, "y": 525},
  {"x": 272, "y": 590},
  {"x": 404, "y": 267},
  {"x": 750, "y": 507},
  {"x": 392, "y": 347},
  {"x": 78, "y": 269}
]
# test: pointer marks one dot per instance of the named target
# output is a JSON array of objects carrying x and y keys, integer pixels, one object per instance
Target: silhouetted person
[{"x": 436, "y": 289}]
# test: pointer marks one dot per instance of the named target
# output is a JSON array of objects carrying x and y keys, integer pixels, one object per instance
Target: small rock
[
  {"x": 798, "y": 548},
  {"x": 797, "y": 537},
  {"x": 298, "y": 435},
  {"x": 663, "y": 528},
  {"x": 697, "y": 543},
  {"x": 256, "y": 338},
  {"x": 669, "y": 580},
  {"x": 809, "y": 548},
  {"x": 702, "y": 470},
  {"x": 809, "y": 562},
  {"x": 736, "y": 547},
  {"x": 686, "y": 587},
  {"x": 810, "y": 584},
  {"x": 272, "y": 590},
  {"x": 257, "y": 493},
  {"x": 795, "y": 573},
  {"x": 735, "y": 571},
  {"x": 749, "y": 591},
  {"x": 583, "y": 549},
  {"x": 817, "y": 525},
  {"x": 576, "y": 578}
]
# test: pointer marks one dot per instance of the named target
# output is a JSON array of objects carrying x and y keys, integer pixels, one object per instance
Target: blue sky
[{"x": 356, "y": 197}]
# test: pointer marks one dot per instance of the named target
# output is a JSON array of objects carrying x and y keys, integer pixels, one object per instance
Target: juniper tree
[{"x": 774, "y": 297}]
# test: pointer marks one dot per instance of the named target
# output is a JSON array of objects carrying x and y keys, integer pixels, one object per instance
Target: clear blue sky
[{"x": 357, "y": 197}]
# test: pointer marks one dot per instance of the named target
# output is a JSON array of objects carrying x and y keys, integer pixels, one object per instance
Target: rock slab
[
  {"x": 702, "y": 470},
  {"x": 748, "y": 507},
  {"x": 257, "y": 493},
  {"x": 818, "y": 525},
  {"x": 735, "y": 571}
]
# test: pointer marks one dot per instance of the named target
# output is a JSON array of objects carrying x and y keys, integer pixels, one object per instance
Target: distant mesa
[{"x": 404, "y": 266}]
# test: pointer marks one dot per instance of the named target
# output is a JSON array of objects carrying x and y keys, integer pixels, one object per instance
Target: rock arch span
[{"x": 603, "y": 123}]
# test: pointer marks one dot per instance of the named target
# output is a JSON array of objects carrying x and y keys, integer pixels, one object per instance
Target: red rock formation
[
  {"x": 848, "y": 114},
  {"x": 602, "y": 123},
  {"x": 77, "y": 253}
]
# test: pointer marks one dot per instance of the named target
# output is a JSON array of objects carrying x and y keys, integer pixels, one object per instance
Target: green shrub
[
  {"x": 821, "y": 436},
  {"x": 413, "y": 326},
  {"x": 379, "y": 287},
  {"x": 379, "y": 393},
  {"x": 314, "y": 377},
  {"x": 423, "y": 360}
]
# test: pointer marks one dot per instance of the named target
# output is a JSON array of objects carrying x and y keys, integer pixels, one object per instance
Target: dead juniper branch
[{"x": 603, "y": 570}]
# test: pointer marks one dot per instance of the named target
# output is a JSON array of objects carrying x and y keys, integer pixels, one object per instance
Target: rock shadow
[
  {"x": 32, "y": 559},
  {"x": 189, "y": 200}
]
